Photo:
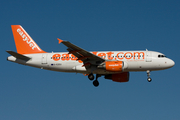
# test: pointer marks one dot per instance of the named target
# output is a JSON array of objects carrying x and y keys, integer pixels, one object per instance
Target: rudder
[{"x": 24, "y": 43}]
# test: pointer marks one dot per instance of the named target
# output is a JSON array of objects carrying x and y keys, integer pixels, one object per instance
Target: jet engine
[
  {"x": 120, "y": 77},
  {"x": 113, "y": 66}
]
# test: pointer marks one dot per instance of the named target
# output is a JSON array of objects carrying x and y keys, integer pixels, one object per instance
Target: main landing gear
[
  {"x": 91, "y": 76},
  {"x": 95, "y": 82},
  {"x": 148, "y": 74}
]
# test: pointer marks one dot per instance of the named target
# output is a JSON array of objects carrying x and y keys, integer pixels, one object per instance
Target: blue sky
[{"x": 28, "y": 93}]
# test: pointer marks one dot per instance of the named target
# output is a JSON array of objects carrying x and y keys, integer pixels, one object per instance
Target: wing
[{"x": 81, "y": 54}]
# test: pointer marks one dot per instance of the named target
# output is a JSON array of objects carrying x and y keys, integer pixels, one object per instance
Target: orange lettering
[
  {"x": 73, "y": 57},
  {"x": 65, "y": 57},
  {"x": 120, "y": 57},
  {"x": 95, "y": 53},
  {"x": 103, "y": 55},
  {"x": 128, "y": 57},
  {"x": 56, "y": 57},
  {"x": 80, "y": 61},
  {"x": 139, "y": 53},
  {"x": 109, "y": 55}
]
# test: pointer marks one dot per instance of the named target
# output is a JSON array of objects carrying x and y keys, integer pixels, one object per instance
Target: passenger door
[
  {"x": 44, "y": 58},
  {"x": 148, "y": 56}
]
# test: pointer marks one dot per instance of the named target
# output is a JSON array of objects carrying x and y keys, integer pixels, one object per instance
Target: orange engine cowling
[
  {"x": 120, "y": 77},
  {"x": 112, "y": 66}
]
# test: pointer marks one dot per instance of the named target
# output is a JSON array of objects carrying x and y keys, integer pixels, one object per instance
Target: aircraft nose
[{"x": 171, "y": 63}]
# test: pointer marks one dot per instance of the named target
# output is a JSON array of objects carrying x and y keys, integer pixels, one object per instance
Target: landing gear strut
[
  {"x": 148, "y": 74},
  {"x": 95, "y": 82}
]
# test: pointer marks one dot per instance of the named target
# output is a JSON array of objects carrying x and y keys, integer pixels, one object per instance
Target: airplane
[{"x": 113, "y": 65}]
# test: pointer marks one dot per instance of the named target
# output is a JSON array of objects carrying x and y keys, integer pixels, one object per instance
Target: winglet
[{"x": 60, "y": 41}]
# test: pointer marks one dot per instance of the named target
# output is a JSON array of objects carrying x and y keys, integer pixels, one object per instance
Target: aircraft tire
[
  {"x": 149, "y": 79},
  {"x": 91, "y": 76},
  {"x": 96, "y": 83}
]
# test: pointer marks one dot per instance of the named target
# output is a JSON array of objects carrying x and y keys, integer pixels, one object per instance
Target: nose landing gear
[{"x": 148, "y": 74}]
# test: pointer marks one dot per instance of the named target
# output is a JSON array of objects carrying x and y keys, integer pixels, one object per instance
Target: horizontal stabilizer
[{"x": 19, "y": 56}]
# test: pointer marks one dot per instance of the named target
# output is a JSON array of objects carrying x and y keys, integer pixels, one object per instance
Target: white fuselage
[
  {"x": 64, "y": 62},
  {"x": 113, "y": 65}
]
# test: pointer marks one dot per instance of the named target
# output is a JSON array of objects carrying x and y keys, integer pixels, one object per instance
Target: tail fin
[{"x": 24, "y": 43}]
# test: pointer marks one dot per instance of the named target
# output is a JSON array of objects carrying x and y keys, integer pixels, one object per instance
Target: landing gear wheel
[
  {"x": 149, "y": 79},
  {"x": 91, "y": 76},
  {"x": 148, "y": 74},
  {"x": 96, "y": 83}
]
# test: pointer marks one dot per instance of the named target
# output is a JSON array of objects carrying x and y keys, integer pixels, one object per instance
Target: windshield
[{"x": 161, "y": 56}]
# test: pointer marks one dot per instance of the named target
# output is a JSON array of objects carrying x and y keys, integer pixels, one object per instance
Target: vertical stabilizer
[{"x": 24, "y": 43}]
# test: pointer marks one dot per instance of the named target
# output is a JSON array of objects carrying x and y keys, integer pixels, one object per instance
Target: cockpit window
[{"x": 161, "y": 56}]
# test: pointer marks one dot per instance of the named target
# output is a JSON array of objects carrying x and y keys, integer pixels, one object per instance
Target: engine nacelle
[
  {"x": 120, "y": 77},
  {"x": 113, "y": 66}
]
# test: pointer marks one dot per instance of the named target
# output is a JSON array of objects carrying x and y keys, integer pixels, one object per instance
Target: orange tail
[{"x": 24, "y": 43}]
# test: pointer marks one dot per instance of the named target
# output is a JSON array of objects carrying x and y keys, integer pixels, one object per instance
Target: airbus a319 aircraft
[{"x": 113, "y": 65}]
